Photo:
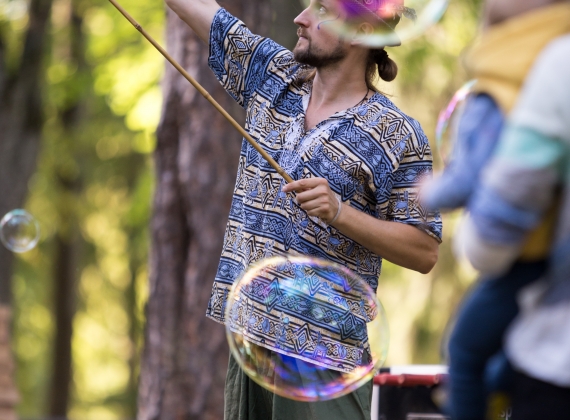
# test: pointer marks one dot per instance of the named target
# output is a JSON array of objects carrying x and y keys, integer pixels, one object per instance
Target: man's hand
[
  {"x": 315, "y": 196},
  {"x": 198, "y": 14}
]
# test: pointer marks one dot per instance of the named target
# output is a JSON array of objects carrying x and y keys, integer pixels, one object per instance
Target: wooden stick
[{"x": 205, "y": 94}]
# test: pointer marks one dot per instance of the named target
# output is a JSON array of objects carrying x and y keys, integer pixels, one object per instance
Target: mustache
[{"x": 302, "y": 33}]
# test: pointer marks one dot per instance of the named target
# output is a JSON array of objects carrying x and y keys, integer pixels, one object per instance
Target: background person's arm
[{"x": 198, "y": 14}]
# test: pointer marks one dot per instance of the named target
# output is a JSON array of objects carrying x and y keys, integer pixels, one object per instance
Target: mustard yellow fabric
[
  {"x": 502, "y": 57},
  {"x": 500, "y": 61}
]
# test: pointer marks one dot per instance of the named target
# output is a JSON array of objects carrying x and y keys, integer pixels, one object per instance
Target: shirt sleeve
[
  {"x": 415, "y": 165},
  {"x": 477, "y": 135},
  {"x": 241, "y": 60}
]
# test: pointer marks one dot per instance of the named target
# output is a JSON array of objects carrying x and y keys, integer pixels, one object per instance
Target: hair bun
[
  {"x": 379, "y": 64},
  {"x": 380, "y": 56},
  {"x": 387, "y": 68}
]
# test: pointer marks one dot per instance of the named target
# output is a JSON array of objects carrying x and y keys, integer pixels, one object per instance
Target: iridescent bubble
[
  {"x": 306, "y": 329},
  {"x": 385, "y": 22},
  {"x": 448, "y": 121},
  {"x": 19, "y": 231}
]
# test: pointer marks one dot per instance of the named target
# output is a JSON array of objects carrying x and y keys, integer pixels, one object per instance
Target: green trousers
[{"x": 246, "y": 400}]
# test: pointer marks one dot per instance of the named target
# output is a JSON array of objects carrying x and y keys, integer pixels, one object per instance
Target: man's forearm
[
  {"x": 198, "y": 14},
  {"x": 401, "y": 244}
]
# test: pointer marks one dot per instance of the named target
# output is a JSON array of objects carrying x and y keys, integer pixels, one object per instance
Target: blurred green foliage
[
  {"x": 93, "y": 185},
  {"x": 97, "y": 175},
  {"x": 420, "y": 307}
]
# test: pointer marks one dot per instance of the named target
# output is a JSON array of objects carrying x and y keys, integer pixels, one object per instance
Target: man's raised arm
[{"x": 198, "y": 14}]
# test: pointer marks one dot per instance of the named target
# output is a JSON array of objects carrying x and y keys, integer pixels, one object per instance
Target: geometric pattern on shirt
[
  {"x": 267, "y": 310},
  {"x": 373, "y": 156}
]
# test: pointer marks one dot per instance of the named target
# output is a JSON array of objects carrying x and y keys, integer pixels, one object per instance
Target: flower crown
[{"x": 387, "y": 12}]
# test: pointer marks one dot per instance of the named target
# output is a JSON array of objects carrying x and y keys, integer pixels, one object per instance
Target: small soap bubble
[
  {"x": 305, "y": 328},
  {"x": 388, "y": 22},
  {"x": 448, "y": 121},
  {"x": 19, "y": 231}
]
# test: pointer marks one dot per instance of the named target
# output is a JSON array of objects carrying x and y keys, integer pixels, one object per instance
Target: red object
[{"x": 408, "y": 379}]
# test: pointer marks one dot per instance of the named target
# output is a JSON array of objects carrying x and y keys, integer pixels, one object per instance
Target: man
[{"x": 355, "y": 159}]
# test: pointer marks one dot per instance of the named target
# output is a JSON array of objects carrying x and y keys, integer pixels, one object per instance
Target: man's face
[{"x": 317, "y": 46}]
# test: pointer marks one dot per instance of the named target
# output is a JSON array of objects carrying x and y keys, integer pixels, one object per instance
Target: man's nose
[{"x": 303, "y": 18}]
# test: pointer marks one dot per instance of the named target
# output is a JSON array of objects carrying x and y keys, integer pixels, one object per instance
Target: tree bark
[
  {"x": 21, "y": 121},
  {"x": 64, "y": 308},
  {"x": 185, "y": 357},
  {"x": 282, "y": 29},
  {"x": 8, "y": 394},
  {"x": 67, "y": 242}
]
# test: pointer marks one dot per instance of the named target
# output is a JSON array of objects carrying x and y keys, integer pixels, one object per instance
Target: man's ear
[{"x": 364, "y": 29}]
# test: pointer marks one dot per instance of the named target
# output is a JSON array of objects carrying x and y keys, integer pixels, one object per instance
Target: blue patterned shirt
[{"x": 372, "y": 155}]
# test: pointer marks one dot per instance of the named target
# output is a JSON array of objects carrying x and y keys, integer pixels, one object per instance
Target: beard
[{"x": 316, "y": 57}]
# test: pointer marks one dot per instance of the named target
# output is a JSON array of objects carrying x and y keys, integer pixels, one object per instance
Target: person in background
[
  {"x": 528, "y": 174},
  {"x": 514, "y": 34}
]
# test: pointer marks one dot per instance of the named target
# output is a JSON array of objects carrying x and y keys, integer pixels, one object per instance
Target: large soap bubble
[
  {"x": 388, "y": 22},
  {"x": 19, "y": 231},
  {"x": 448, "y": 121},
  {"x": 305, "y": 328}
]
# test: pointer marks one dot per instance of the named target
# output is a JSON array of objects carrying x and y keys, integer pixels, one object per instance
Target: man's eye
[{"x": 322, "y": 11}]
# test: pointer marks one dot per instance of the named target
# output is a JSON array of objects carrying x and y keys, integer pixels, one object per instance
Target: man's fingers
[
  {"x": 304, "y": 184},
  {"x": 307, "y": 195},
  {"x": 313, "y": 196},
  {"x": 310, "y": 205}
]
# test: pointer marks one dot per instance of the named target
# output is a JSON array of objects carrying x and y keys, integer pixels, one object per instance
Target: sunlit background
[{"x": 92, "y": 189}]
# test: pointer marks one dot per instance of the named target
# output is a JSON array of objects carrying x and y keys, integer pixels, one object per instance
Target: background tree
[
  {"x": 21, "y": 121},
  {"x": 185, "y": 356},
  {"x": 90, "y": 193}
]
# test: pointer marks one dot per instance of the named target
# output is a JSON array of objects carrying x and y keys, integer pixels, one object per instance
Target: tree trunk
[
  {"x": 185, "y": 357},
  {"x": 283, "y": 30},
  {"x": 21, "y": 121},
  {"x": 8, "y": 394},
  {"x": 67, "y": 242},
  {"x": 64, "y": 307}
]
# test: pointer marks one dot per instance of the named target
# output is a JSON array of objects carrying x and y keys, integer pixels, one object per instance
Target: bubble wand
[{"x": 204, "y": 93}]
